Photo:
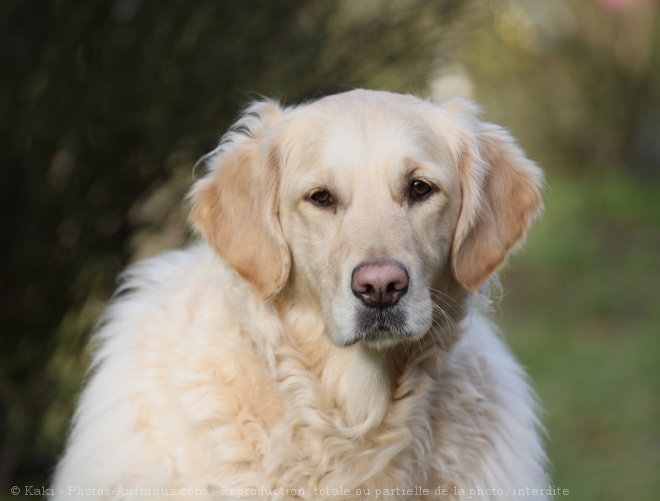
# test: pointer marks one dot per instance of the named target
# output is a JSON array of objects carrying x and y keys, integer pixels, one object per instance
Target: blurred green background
[{"x": 106, "y": 106}]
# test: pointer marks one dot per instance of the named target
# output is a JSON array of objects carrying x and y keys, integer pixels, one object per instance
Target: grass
[{"x": 582, "y": 311}]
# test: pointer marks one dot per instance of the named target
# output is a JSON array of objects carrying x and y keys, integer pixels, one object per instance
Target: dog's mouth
[{"x": 373, "y": 325}]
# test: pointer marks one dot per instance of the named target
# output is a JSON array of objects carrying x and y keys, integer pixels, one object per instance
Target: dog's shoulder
[
  {"x": 171, "y": 356},
  {"x": 488, "y": 411}
]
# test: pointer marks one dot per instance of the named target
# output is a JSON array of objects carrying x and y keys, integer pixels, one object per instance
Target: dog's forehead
[{"x": 370, "y": 132}]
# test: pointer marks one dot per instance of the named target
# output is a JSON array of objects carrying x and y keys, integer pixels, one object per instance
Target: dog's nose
[{"x": 381, "y": 283}]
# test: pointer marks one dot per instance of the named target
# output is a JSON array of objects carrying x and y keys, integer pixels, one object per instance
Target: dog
[{"x": 324, "y": 337}]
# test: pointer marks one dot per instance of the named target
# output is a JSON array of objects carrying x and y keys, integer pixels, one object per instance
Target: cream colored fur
[{"x": 234, "y": 368}]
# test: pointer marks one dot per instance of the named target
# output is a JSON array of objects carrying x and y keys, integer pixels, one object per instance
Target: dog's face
[
  {"x": 370, "y": 205},
  {"x": 368, "y": 202}
]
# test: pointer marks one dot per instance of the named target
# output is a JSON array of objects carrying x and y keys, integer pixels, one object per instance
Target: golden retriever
[{"x": 323, "y": 341}]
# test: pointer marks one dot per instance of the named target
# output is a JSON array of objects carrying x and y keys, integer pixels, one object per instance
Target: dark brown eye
[
  {"x": 322, "y": 198},
  {"x": 419, "y": 190}
]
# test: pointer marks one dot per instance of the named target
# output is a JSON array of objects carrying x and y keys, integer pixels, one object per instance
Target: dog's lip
[
  {"x": 374, "y": 321},
  {"x": 378, "y": 335}
]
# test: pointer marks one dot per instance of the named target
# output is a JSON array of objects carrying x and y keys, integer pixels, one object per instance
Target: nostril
[{"x": 398, "y": 284}]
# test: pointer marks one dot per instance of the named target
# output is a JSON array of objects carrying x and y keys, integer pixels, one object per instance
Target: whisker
[
  {"x": 448, "y": 318},
  {"x": 443, "y": 327},
  {"x": 449, "y": 302},
  {"x": 438, "y": 335}
]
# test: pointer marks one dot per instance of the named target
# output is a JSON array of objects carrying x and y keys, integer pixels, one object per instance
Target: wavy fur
[{"x": 202, "y": 388}]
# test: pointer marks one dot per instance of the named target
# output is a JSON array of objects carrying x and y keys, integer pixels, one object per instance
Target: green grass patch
[{"x": 582, "y": 312}]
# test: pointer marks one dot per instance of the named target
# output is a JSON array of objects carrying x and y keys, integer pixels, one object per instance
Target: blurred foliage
[
  {"x": 577, "y": 81},
  {"x": 106, "y": 106},
  {"x": 583, "y": 312}
]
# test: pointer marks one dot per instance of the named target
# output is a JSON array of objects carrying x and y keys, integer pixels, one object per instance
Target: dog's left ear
[
  {"x": 500, "y": 198},
  {"x": 235, "y": 205}
]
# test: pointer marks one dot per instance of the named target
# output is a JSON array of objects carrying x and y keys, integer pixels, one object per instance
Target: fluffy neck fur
[
  {"x": 361, "y": 381},
  {"x": 336, "y": 396}
]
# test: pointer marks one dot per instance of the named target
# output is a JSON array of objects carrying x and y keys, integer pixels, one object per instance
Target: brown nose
[{"x": 381, "y": 283}]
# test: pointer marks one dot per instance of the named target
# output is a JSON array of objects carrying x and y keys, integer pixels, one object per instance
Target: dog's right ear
[
  {"x": 235, "y": 205},
  {"x": 501, "y": 197}
]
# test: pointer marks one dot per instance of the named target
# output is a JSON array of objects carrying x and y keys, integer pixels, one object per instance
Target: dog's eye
[
  {"x": 322, "y": 198},
  {"x": 419, "y": 190}
]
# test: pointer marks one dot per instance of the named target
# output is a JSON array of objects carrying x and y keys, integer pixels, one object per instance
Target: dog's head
[{"x": 368, "y": 205}]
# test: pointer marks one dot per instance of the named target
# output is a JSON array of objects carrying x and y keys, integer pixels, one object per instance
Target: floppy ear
[
  {"x": 235, "y": 205},
  {"x": 500, "y": 198}
]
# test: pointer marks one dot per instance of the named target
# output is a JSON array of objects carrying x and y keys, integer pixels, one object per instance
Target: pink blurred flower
[{"x": 616, "y": 5}]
